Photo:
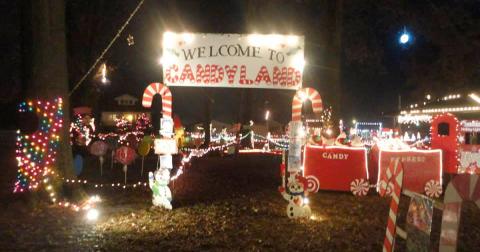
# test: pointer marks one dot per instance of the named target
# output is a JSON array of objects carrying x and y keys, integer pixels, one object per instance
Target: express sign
[{"x": 233, "y": 60}]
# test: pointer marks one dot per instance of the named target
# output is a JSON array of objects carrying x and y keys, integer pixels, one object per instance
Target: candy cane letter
[
  {"x": 164, "y": 92},
  {"x": 462, "y": 187},
  {"x": 394, "y": 175},
  {"x": 301, "y": 96}
]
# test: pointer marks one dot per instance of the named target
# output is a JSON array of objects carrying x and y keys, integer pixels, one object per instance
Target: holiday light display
[
  {"x": 122, "y": 125},
  {"x": 444, "y": 130},
  {"x": 82, "y": 130},
  {"x": 36, "y": 152},
  {"x": 142, "y": 125},
  {"x": 300, "y": 97}
]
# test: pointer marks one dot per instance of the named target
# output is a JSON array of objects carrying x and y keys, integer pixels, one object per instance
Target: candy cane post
[
  {"x": 297, "y": 135},
  {"x": 165, "y": 146},
  {"x": 462, "y": 187},
  {"x": 164, "y": 92},
  {"x": 300, "y": 97},
  {"x": 295, "y": 187},
  {"x": 395, "y": 178}
]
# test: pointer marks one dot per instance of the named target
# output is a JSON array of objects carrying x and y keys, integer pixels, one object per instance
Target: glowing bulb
[
  {"x": 303, "y": 96},
  {"x": 404, "y": 38},
  {"x": 255, "y": 39},
  {"x": 188, "y": 37},
  {"x": 167, "y": 59},
  {"x": 168, "y": 39},
  {"x": 292, "y": 40},
  {"x": 299, "y": 62},
  {"x": 306, "y": 201},
  {"x": 328, "y": 131},
  {"x": 104, "y": 73},
  {"x": 92, "y": 214}
]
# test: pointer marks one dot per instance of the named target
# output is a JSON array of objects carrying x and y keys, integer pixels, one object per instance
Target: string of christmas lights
[
  {"x": 35, "y": 153},
  {"x": 82, "y": 130},
  {"x": 277, "y": 143}
]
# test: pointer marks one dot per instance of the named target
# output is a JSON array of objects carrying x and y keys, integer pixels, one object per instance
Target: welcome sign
[{"x": 233, "y": 60}]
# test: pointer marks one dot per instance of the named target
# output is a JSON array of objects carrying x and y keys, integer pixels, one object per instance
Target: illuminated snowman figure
[
  {"x": 297, "y": 205},
  {"x": 158, "y": 182}
]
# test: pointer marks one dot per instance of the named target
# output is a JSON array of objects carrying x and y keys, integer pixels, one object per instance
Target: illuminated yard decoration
[
  {"x": 337, "y": 168},
  {"x": 165, "y": 146},
  {"x": 164, "y": 92},
  {"x": 272, "y": 61},
  {"x": 422, "y": 169},
  {"x": 297, "y": 139},
  {"x": 36, "y": 152},
  {"x": 395, "y": 179},
  {"x": 444, "y": 131},
  {"x": 300, "y": 97}
]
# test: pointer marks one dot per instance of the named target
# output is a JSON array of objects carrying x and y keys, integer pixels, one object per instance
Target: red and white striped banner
[
  {"x": 303, "y": 95},
  {"x": 395, "y": 176},
  {"x": 164, "y": 92}
]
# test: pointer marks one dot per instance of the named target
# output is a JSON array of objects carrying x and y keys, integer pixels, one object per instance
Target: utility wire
[{"x": 119, "y": 32}]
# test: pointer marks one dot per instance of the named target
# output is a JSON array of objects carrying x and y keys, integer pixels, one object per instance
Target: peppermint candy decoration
[
  {"x": 433, "y": 189},
  {"x": 312, "y": 184},
  {"x": 385, "y": 189},
  {"x": 359, "y": 187}
]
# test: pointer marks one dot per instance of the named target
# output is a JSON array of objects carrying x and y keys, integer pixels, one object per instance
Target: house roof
[{"x": 126, "y": 97}]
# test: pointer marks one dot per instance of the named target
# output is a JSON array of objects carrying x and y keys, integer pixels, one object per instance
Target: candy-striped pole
[{"x": 394, "y": 175}]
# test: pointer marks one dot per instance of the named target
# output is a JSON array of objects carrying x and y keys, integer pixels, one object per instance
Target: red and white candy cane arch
[
  {"x": 164, "y": 92},
  {"x": 306, "y": 94}
]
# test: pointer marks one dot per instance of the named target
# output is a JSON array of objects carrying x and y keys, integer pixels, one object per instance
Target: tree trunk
[{"x": 49, "y": 76}]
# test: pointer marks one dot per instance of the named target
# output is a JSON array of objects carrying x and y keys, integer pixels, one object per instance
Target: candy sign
[
  {"x": 336, "y": 167},
  {"x": 233, "y": 60}
]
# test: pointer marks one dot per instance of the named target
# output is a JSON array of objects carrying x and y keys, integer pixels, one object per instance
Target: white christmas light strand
[
  {"x": 119, "y": 32},
  {"x": 276, "y": 143}
]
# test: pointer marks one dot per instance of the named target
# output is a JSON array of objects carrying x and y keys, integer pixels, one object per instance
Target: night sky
[{"x": 352, "y": 52}]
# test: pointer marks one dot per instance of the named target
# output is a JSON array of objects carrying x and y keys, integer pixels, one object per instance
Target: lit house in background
[
  {"x": 415, "y": 119},
  {"x": 126, "y": 106}
]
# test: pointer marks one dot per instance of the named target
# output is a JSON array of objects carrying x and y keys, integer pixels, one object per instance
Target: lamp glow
[
  {"x": 404, "y": 38},
  {"x": 187, "y": 37},
  {"x": 292, "y": 40},
  {"x": 475, "y": 97},
  {"x": 92, "y": 214},
  {"x": 168, "y": 39}
]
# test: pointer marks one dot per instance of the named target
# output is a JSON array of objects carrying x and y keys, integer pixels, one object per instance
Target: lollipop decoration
[
  {"x": 125, "y": 155},
  {"x": 433, "y": 189},
  {"x": 144, "y": 148},
  {"x": 359, "y": 187},
  {"x": 99, "y": 149}
]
